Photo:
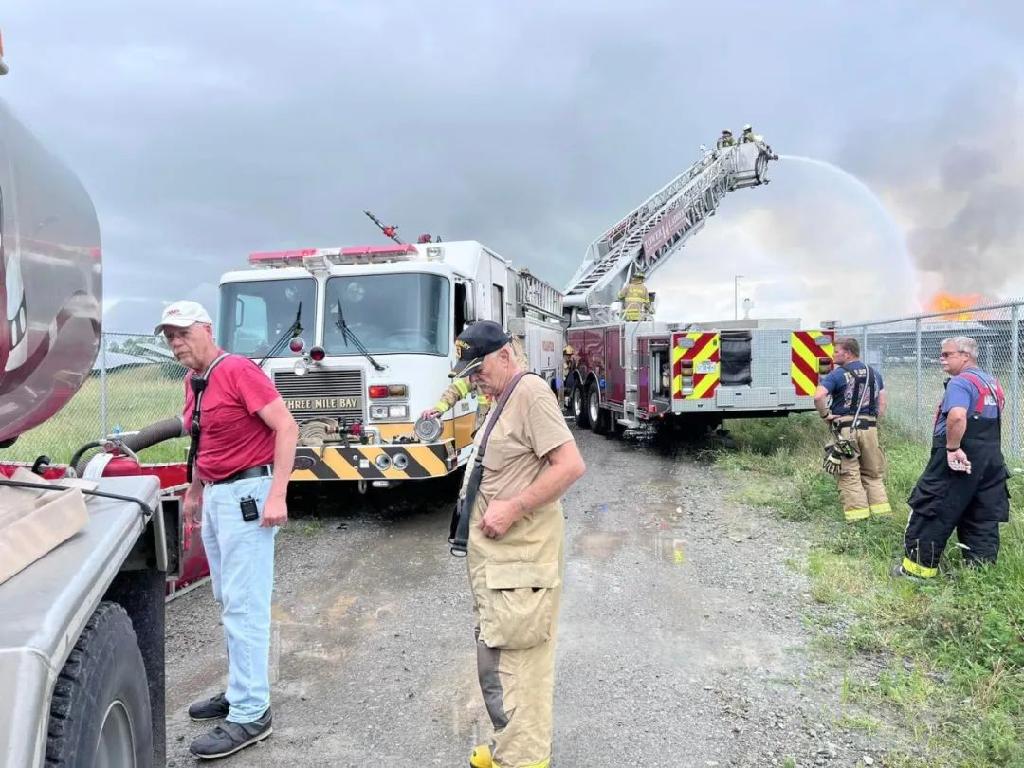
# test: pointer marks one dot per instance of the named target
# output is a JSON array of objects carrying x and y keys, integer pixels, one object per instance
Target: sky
[{"x": 208, "y": 130}]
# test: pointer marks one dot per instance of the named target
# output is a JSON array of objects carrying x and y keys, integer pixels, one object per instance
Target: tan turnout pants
[
  {"x": 862, "y": 478},
  {"x": 516, "y": 603}
]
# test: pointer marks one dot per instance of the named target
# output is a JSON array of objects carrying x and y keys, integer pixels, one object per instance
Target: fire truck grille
[{"x": 322, "y": 394}]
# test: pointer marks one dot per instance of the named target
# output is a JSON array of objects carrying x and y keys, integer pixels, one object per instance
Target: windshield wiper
[
  {"x": 347, "y": 333},
  {"x": 287, "y": 335}
]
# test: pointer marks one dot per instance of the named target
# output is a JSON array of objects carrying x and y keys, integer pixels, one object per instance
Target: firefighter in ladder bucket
[
  {"x": 963, "y": 488},
  {"x": 510, "y": 526},
  {"x": 853, "y": 453}
]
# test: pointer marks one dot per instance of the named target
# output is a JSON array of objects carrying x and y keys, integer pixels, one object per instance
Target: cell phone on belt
[{"x": 250, "y": 511}]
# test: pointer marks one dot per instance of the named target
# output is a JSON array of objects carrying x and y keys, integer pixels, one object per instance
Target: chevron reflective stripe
[
  {"x": 701, "y": 381},
  {"x": 364, "y": 462},
  {"x": 807, "y": 348}
]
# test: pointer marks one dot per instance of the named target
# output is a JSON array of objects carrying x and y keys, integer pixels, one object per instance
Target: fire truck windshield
[
  {"x": 253, "y": 315},
  {"x": 398, "y": 313}
]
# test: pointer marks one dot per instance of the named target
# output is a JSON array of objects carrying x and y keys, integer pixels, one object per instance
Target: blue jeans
[{"x": 241, "y": 556}]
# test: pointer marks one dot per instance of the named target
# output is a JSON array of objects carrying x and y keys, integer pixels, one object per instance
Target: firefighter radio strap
[
  {"x": 844, "y": 446},
  {"x": 458, "y": 531},
  {"x": 198, "y": 384}
]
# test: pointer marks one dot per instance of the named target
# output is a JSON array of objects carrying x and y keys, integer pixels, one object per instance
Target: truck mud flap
[{"x": 375, "y": 462}]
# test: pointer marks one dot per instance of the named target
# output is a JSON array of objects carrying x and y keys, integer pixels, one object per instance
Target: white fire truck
[
  {"x": 632, "y": 374},
  {"x": 359, "y": 341}
]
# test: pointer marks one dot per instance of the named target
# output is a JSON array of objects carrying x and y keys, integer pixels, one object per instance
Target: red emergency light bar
[
  {"x": 378, "y": 250},
  {"x": 266, "y": 257}
]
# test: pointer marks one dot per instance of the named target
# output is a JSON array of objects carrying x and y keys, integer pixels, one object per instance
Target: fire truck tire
[
  {"x": 100, "y": 713},
  {"x": 598, "y": 416},
  {"x": 578, "y": 401}
]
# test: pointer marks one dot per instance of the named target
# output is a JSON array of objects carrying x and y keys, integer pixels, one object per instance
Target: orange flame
[{"x": 958, "y": 306}]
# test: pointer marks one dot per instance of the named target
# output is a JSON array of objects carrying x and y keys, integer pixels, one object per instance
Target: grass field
[
  {"x": 950, "y": 653},
  {"x": 136, "y": 397}
]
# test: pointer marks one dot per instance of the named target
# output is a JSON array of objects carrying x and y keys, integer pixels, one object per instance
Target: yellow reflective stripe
[
  {"x": 706, "y": 383},
  {"x": 462, "y": 386},
  {"x": 805, "y": 385},
  {"x": 441, "y": 406},
  {"x": 916, "y": 569},
  {"x": 677, "y": 384},
  {"x": 859, "y": 513},
  {"x": 881, "y": 509},
  {"x": 677, "y": 354},
  {"x": 708, "y": 380}
]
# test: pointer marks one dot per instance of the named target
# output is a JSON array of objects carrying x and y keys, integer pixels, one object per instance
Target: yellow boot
[{"x": 481, "y": 757}]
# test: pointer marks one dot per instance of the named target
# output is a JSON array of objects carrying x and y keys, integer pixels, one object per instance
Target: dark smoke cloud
[{"x": 956, "y": 179}]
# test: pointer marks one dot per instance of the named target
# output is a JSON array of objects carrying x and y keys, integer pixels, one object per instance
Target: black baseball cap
[{"x": 477, "y": 340}]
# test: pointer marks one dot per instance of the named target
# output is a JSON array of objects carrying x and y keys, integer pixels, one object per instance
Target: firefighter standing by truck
[
  {"x": 858, "y": 402},
  {"x": 963, "y": 488},
  {"x": 461, "y": 388},
  {"x": 511, "y": 519}
]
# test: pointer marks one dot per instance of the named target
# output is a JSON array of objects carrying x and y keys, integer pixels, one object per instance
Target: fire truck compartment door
[{"x": 747, "y": 398}]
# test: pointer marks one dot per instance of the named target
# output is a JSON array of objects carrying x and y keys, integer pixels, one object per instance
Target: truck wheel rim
[
  {"x": 116, "y": 748},
  {"x": 577, "y": 401},
  {"x": 595, "y": 410}
]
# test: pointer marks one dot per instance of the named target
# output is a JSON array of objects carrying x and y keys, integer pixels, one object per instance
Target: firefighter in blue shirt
[
  {"x": 858, "y": 401},
  {"x": 963, "y": 488}
]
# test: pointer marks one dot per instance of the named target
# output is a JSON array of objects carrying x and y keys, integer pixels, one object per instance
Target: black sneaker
[
  {"x": 209, "y": 709},
  {"x": 229, "y": 738}
]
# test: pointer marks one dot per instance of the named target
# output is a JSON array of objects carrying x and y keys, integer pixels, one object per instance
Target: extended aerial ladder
[{"x": 653, "y": 231}]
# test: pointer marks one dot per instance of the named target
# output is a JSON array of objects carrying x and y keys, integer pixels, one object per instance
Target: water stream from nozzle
[{"x": 895, "y": 232}]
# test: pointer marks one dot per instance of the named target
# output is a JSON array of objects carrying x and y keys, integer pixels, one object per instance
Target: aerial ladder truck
[{"x": 629, "y": 373}]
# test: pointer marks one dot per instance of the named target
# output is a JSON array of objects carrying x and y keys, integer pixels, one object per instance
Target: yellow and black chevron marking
[{"x": 359, "y": 462}]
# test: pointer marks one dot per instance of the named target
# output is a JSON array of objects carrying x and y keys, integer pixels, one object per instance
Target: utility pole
[{"x": 736, "y": 284}]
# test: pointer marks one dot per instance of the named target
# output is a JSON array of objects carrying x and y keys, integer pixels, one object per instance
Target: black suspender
[{"x": 198, "y": 384}]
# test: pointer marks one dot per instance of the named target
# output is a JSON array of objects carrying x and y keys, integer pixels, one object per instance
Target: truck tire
[
  {"x": 599, "y": 417},
  {"x": 579, "y": 406},
  {"x": 100, "y": 713}
]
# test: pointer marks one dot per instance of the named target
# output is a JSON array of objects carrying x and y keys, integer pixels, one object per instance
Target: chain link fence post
[
  {"x": 919, "y": 379},
  {"x": 1015, "y": 381},
  {"x": 103, "y": 385}
]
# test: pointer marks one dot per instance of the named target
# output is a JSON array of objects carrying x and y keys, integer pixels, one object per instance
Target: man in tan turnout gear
[
  {"x": 636, "y": 299},
  {"x": 515, "y": 547},
  {"x": 858, "y": 401}
]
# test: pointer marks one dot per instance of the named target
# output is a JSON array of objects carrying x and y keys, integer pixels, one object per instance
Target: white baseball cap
[{"x": 182, "y": 314}]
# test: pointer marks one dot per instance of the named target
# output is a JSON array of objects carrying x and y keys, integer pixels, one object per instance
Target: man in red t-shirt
[{"x": 243, "y": 450}]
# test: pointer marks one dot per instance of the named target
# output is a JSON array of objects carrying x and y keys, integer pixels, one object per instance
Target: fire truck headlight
[
  {"x": 379, "y": 411},
  {"x": 398, "y": 412},
  {"x": 300, "y": 368}
]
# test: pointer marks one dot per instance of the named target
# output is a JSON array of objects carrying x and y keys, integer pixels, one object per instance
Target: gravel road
[{"x": 683, "y": 638}]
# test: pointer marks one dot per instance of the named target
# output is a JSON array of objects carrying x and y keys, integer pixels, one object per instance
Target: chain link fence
[
  {"x": 906, "y": 351},
  {"x": 134, "y": 382}
]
